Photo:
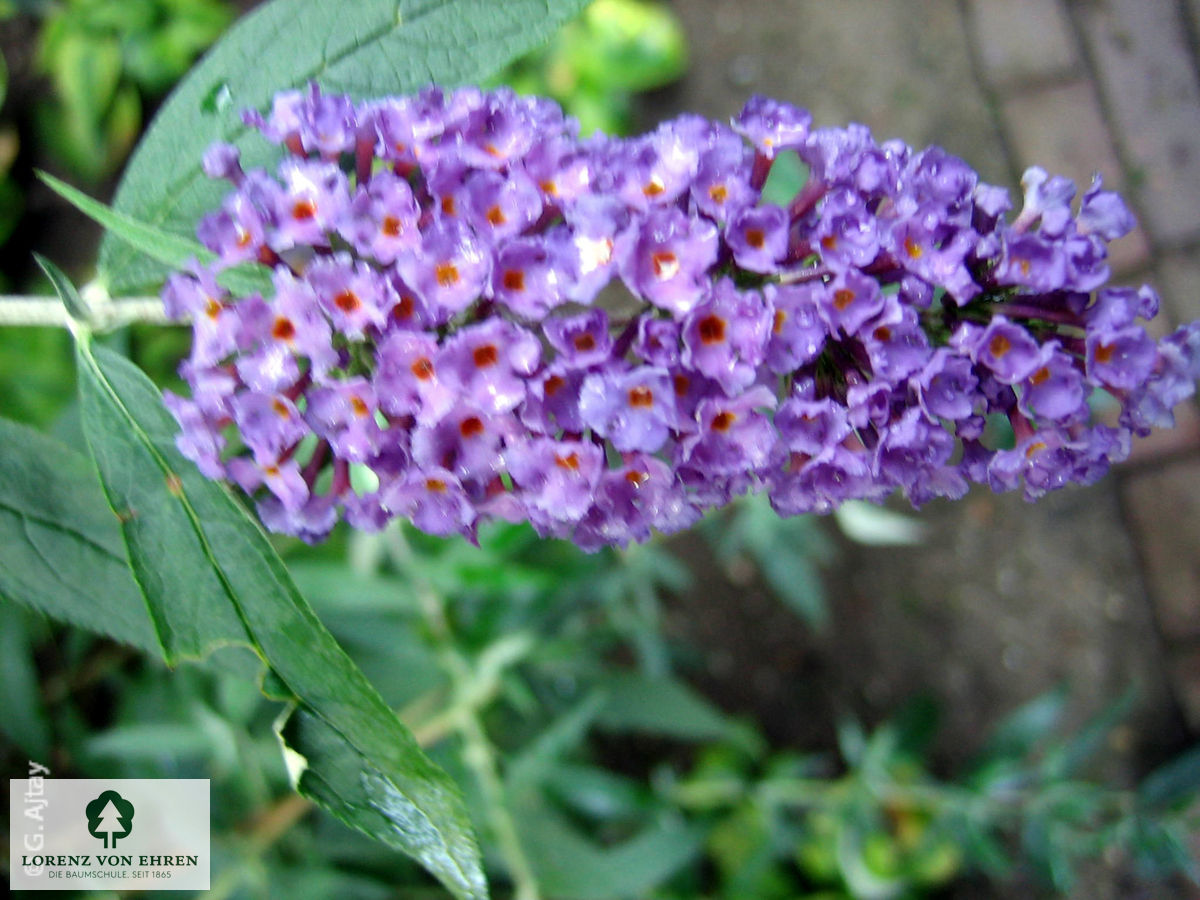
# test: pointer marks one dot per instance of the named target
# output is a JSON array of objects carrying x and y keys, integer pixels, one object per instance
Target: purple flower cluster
[{"x": 443, "y": 343}]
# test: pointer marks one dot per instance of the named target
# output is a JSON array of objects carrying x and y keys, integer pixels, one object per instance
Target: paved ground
[{"x": 1099, "y": 586}]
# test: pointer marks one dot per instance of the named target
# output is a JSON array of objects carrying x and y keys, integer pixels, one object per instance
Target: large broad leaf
[
  {"x": 60, "y": 546},
  {"x": 210, "y": 578},
  {"x": 366, "y": 48}
]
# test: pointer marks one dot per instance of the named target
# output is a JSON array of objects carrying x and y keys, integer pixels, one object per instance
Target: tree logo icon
[{"x": 109, "y": 816}]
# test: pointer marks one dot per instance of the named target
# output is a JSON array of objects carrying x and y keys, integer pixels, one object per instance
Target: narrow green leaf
[
  {"x": 211, "y": 578},
  {"x": 1030, "y": 724},
  {"x": 60, "y": 545},
  {"x": 1173, "y": 782},
  {"x": 373, "y": 48},
  {"x": 571, "y": 867},
  {"x": 66, "y": 291},
  {"x": 173, "y": 251},
  {"x": 663, "y": 706}
]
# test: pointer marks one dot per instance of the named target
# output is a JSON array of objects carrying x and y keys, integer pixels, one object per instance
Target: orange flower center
[
  {"x": 641, "y": 397},
  {"x": 712, "y": 329},
  {"x": 283, "y": 329},
  {"x": 485, "y": 356},
  {"x": 723, "y": 421}
]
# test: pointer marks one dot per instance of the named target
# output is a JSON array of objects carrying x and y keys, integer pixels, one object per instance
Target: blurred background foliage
[{"x": 543, "y": 679}]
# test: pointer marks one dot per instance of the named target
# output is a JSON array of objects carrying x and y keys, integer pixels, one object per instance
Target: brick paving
[
  {"x": 1113, "y": 85},
  {"x": 1076, "y": 86}
]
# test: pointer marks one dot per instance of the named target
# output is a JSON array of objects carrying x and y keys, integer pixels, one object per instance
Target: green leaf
[
  {"x": 663, "y": 706},
  {"x": 211, "y": 578},
  {"x": 1032, "y": 723},
  {"x": 172, "y": 250},
  {"x": 378, "y": 47},
  {"x": 24, "y": 721},
  {"x": 571, "y": 867},
  {"x": 1172, "y": 783},
  {"x": 60, "y": 547},
  {"x": 65, "y": 289}
]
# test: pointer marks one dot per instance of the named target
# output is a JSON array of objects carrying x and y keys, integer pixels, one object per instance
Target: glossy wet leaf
[
  {"x": 366, "y": 49},
  {"x": 211, "y": 578}
]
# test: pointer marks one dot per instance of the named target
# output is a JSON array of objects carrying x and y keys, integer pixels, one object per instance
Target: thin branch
[{"x": 48, "y": 311}]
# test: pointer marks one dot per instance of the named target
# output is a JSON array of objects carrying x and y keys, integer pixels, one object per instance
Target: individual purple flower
[
  {"x": 1047, "y": 202},
  {"x": 556, "y": 478},
  {"x": 381, "y": 221},
  {"x": 1031, "y": 261},
  {"x": 725, "y": 336},
  {"x": 850, "y": 301},
  {"x": 501, "y": 206},
  {"x": 657, "y": 341},
  {"x": 772, "y": 126},
  {"x": 913, "y": 450},
  {"x": 1120, "y": 358},
  {"x": 465, "y": 441},
  {"x": 797, "y": 332},
  {"x": 811, "y": 426},
  {"x": 582, "y": 340},
  {"x": 656, "y": 169},
  {"x": 407, "y": 381},
  {"x": 311, "y": 522},
  {"x": 631, "y": 501},
  {"x": 224, "y": 161},
  {"x": 309, "y": 205},
  {"x": 489, "y": 363},
  {"x": 1054, "y": 391},
  {"x": 528, "y": 277},
  {"x": 820, "y": 484},
  {"x": 758, "y": 237},
  {"x": 237, "y": 232},
  {"x": 669, "y": 258},
  {"x": 947, "y": 386},
  {"x": 598, "y": 243},
  {"x": 722, "y": 183},
  {"x": 551, "y": 403},
  {"x": 198, "y": 440},
  {"x": 1116, "y": 307},
  {"x": 433, "y": 500},
  {"x": 1104, "y": 213},
  {"x": 449, "y": 270},
  {"x": 635, "y": 410},
  {"x": 283, "y": 479},
  {"x": 351, "y": 293},
  {"x": 344, "y": 414},
  {"x": 846, "y": 231},
  {"x": 1008, "y": 350},
  {"x": 897, "y": 349},
  {"x": 732, "y": 434}
]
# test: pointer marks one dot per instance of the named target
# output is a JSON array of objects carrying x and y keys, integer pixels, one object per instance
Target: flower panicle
[{"x": 444, "y": 342}]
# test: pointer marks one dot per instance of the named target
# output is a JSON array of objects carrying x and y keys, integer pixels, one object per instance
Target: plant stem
[
  {"x": 478, "y": 752},
  {"x": 48, "y": 311}
]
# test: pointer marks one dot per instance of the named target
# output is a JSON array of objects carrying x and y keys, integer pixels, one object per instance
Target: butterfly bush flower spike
[{"x": 477, "y": 315}]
